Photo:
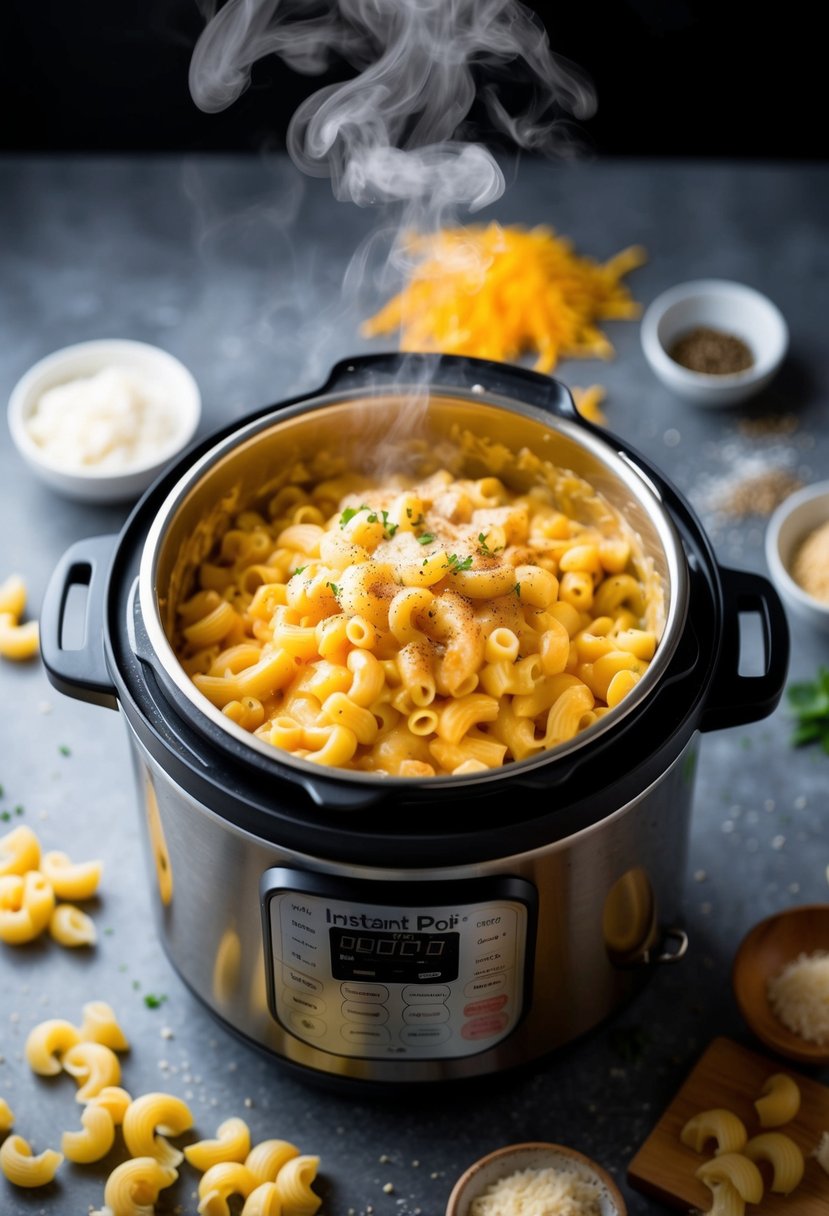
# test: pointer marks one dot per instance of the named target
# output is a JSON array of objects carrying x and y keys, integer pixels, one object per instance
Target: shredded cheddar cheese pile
[{"x": 499, "y": 293}]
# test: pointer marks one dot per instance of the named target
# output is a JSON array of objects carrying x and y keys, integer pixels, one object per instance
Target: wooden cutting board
[{"x": 728, "y": 1075}]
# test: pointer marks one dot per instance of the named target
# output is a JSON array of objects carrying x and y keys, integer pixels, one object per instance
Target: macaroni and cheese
[{"x": 416, "y": 627}]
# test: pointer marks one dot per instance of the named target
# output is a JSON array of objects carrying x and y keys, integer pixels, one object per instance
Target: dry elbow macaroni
[
  {"x": 416, "y": 628},
  {"x": 17, "y": 640},
  {"x": 271, "y": 1178},
  {"x": 31, "y": 880}
]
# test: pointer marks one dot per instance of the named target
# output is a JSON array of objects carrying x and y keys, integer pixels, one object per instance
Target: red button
[
  {"x": 485, "y": 1028},
  {"x": 490, "y": 1005}
]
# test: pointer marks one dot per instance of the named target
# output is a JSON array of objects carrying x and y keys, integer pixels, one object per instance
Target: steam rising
[{"x": 394, "y": 132}]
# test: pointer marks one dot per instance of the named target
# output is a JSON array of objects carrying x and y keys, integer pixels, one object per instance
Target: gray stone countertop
[{"x": 235, "y": 265}]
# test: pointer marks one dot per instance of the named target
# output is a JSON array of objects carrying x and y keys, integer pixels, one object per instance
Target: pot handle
[
  {"x": 736, "y": 699},
  {"x": 81, "y": 673},
  {"x": 454, "y": 371}
]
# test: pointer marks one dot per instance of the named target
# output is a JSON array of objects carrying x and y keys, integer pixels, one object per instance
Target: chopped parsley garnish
[
  {"x": 809, "y": 702},
  {"x": 517, "y": 590},
  {"x": 425, "y": 538},
  {"x": 154, "y": 1002},
  {"x": 299, "y": 570},
  {"x": 64, "y": 750},
  {"x": 459, "y": 564},
  {"x": 19, "y": 810},
  {"x": 335, "y": 590},
  {"x": 349, "y": 513},
  {"x": 484, "y": 548},
  {"x": 5, "y": 816},
  {"x": 373, "y": 517}
]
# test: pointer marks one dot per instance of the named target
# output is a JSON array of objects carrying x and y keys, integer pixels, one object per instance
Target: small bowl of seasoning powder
[
  {"x": 535, "y": 1177},
  {"x": 100, "y": 420},
  {"x": 797, "y": 552},
  {"x": 781, "y": 982},
  {"x": 714, "y": 342}
]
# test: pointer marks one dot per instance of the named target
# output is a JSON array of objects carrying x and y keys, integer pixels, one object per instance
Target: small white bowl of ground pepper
[
  {"x": 797, "y": 552},
  {"x": 714, "y": 342}
]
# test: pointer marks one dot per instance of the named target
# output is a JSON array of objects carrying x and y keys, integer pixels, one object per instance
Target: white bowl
[
  {"x": 788, "y": 527},
  {"x": 732, "y": 308},
  {"x": 535, "y": 1155},
  {"x": 84, "y": 360}
]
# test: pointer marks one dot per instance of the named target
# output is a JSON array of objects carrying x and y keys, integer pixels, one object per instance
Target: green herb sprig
[{"x": 809, "y": 701}]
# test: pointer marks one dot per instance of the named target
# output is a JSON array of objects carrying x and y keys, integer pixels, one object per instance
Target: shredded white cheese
[
  {"x": 799, "y": 996},
  {"x": 821, "y": 1152},
  {"x": 544, "y": 1192},
  {"x": 113, "y": 420}
]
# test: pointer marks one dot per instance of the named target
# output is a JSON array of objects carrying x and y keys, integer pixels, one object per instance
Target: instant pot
[{"x": 413, "y": 929}]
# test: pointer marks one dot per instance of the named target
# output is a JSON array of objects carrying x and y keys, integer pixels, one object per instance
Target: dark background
[{"x": 674, "y": 77}]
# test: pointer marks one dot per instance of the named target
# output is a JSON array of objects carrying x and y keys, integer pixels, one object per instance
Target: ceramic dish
[
  {"x": 788, "y": 527},
  {"x": 532, "y": 1156},
  {"x": 91, "y": 483},
  {"x": 764, "y": 952},
  {"x": 717, "y": 304}
]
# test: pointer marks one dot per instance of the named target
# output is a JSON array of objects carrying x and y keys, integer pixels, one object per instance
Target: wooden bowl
[
  {"x": 763, "y": 953},
  {"x": 532, "y": 1156}
]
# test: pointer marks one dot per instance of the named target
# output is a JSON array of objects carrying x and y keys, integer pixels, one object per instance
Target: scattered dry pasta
[
  {"x": 17, "y": 640},
  {"x": 100, "y": 1025},
  {"x": 6, "y": 1116},
  {"x": 94, "y": 1140},
  {"x": 71, "y": 927},
  {"x": 232, "y": 1143},
  {"x": 93, "y": 1066},
  {"x": 24, "y": 1169},
  {"x": 132, "y": 1188},
  {"x": 780, "y": 1100},
  {"x": 499, "y": 293},
  {"x": 48, "y": 1041},
  {"x": 154, "y": 1112},
  {"x": 30, "y": 881},
  {"x": 270, "y": 1178},
  {"x": 418, "y": 627},
  {"x": 71, "y": 880}
]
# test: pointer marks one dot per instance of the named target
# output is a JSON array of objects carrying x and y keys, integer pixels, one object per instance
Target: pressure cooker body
[{"x": 413, "y": 930}]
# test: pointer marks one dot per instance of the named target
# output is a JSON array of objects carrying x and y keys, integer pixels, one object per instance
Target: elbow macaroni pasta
[
  {"x": 46, "y": 1042},
  {"x": 132, "y": 1188},
  {"x": 416, "y": 627},
  {"x": 232, "y": 1143},
  {"x": 24, "y": 1169},
  {"x": 151, "y": 1113},
  {"x": 96, "y": 1138},
  {"x": 6, "y": 1116},
  {"x": 780, "y": 1100},
  {"x": 71, "y": 927},
  {"x": 94, "y": 1066},
  {"x": 78, "y": 880},
  {"x": 17, "y": 641},
  {"x": 100, "y": 1025}
]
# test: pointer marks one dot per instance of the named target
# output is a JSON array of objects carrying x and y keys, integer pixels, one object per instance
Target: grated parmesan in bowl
[
  {"x": 535, "y": 1179},
  {"x": 99, "y": 421},
  {"x": 799, "y": 996}
]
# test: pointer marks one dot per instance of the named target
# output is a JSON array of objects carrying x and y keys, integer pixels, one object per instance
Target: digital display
[{"x": 395, "y": 958}]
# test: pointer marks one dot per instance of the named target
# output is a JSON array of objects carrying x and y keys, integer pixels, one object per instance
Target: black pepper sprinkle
[{"x": 712, "y": 352}]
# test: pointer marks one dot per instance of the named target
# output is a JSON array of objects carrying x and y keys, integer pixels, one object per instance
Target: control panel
[{"x": 422, "y": 979}]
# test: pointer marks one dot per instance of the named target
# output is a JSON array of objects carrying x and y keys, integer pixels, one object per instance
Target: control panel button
[
  {"x": 426, "y": 994},
  {"x": 303, "y": 1002},
  {"x": 486, "y": 985},
  {"x": 300, "y": 981},
  {"x": 425, "y": 1015},
  {"x": 368, "y": 1036},
  {"x": 365, "y": 993},
  {"x": 424, "y": 1036},
  {"x": 490, "y": 1004},
  {"x": 485, "y": 1027},
  {"x": 307, "y": 1025},
  {"x": 368, "y": 1015}
]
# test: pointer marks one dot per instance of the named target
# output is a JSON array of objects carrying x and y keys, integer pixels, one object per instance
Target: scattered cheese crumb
[
  {"x": 389, "y": 1188},
  {"x": 248, "y": 1103},
  {"x": 821, "y": 1152},
  {"x": 166, "y": 1032}
]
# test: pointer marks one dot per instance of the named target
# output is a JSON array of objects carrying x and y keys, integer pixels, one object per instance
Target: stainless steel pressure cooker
[{"x": 412, "y": 929}]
